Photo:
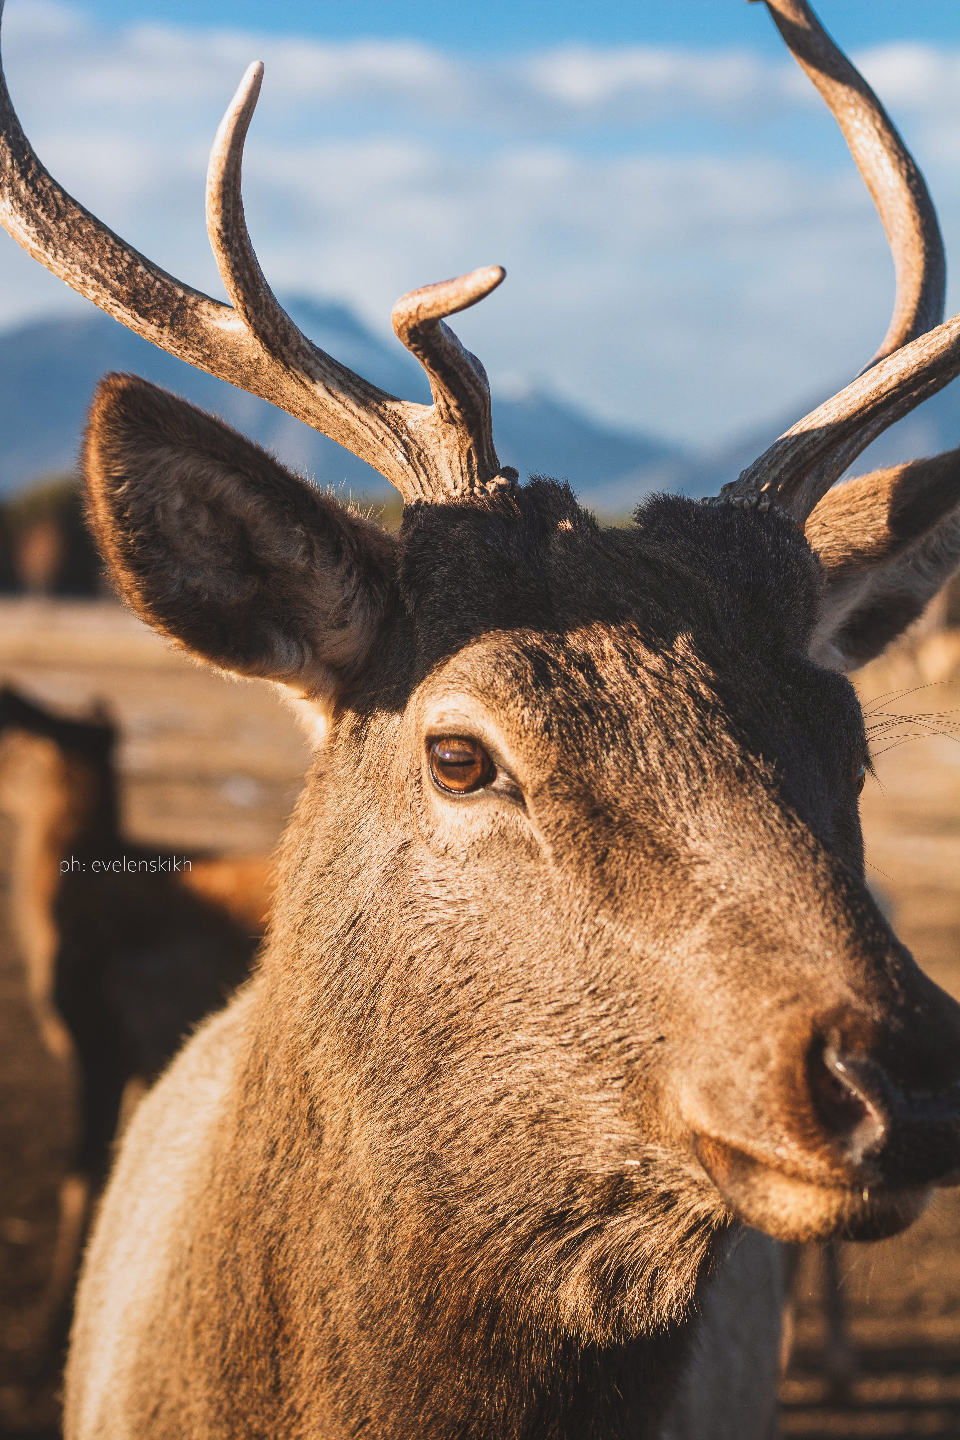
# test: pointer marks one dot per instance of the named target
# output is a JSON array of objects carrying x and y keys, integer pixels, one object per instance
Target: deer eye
[{"x": 460, "y": 765}]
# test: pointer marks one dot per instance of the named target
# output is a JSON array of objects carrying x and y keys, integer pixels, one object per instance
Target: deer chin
[{"x": 789, "y": 1208}]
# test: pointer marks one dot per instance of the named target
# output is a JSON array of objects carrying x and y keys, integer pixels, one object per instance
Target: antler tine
[
  {"x": 239, "y": 268},
  {"x": 457, "y": 378},
  {"x": 291, "y": 356},
  {"x": 799, "y": 468},
  {"x": 888, "y": 170},
  {"x": 433, "y": 452},
  {"x": 458, "y": 424},
  {"x": 458, "y": 381},
  {"x": 294, "y": 373},
  {"x": 802, "y": 465}
]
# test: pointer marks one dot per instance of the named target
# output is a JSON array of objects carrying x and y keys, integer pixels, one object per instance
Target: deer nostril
[{"x": 845, "y": 1103}]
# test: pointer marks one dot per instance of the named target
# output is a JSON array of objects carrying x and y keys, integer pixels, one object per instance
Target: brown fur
[
  {"x": 465, "y": 1157},
  {"x": 887, "y": 543},
  {"x": 43, "y": 794},
  {"x": 215, "y": 495}
]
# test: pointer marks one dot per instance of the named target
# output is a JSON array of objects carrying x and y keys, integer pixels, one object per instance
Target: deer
[
  {"x": 122, "y": 959},
  {"x": 123, "y": 954},
  {"x": 575, "y": 1011}
]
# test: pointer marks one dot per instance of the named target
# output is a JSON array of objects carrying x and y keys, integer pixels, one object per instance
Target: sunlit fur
[
  {"x": 436, "y": 1173},
  {"x": 887, "y": 542}
]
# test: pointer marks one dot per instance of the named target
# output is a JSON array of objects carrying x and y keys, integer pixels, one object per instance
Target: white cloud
[
  {"x": 921, "y": 86},
  {"x": 917, "y": 77},
  {"x": 145, "y": 65},
  {"x": 689, "y": 288},
  {"x": 642, "y": 82}
]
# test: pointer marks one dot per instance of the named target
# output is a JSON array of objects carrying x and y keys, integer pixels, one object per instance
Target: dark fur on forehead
[
  {"x": 730, "y": 575},
  {"x": 536, "y": 559}
]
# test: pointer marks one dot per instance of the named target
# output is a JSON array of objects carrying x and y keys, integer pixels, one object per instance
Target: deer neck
[{"x": 365, "y": 1305}]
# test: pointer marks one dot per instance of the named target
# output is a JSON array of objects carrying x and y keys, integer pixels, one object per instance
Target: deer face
[{"x": 630, "y": 946}]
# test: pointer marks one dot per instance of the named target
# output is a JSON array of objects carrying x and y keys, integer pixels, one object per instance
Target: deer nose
[{"x": 911, "y": 1138}]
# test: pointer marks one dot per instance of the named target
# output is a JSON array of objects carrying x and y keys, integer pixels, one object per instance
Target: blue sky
[
  {"x": 493, "y": 26},
  {"x": 689, "y": 249}
]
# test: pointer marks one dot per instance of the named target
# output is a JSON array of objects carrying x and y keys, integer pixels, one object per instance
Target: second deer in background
[{"x": 123, "y": 959}]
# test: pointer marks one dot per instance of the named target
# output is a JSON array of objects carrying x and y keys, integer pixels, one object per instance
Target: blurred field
[
  {"x": 207, "y": 762},
  {"x": 210, "y": 763}
]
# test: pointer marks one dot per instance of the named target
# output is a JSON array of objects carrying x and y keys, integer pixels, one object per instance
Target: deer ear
[
  {"x": 219, "y": 547},
  {"x": 887, "y": 543}
]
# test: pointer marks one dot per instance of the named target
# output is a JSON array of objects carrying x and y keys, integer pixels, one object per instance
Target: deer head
[{"x": 573, "y": 928}]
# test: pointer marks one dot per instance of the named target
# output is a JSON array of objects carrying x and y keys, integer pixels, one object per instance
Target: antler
[
  {"x": 911, "y": 364},
  {"x": 429, "y": 452}
]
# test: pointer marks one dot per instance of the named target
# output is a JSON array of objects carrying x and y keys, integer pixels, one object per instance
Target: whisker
[{"x": 894, "y": 695}]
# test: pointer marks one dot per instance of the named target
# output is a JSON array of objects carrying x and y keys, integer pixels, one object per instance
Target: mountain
[{"x": 48, "y": 370}]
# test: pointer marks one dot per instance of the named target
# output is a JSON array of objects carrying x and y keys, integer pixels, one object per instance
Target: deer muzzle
[{"x": 866, "y": 1152}]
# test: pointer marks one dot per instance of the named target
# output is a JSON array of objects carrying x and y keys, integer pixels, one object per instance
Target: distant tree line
[{"x": 45, "y": 545}]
